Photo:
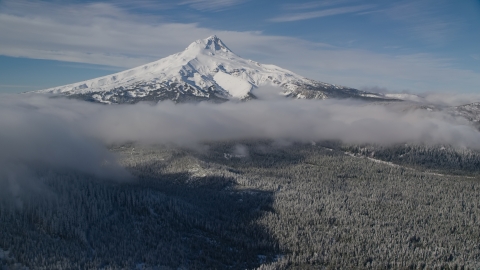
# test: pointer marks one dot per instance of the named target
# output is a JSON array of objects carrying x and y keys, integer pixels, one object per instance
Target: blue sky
[{"x": 405, "y": 45}]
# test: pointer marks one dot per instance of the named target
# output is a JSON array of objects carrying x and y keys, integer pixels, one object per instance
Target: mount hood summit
[{"x": 207, "y": 70}]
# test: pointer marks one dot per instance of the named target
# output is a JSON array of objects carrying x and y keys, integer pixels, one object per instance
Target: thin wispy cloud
[
  {"x": 16, "y": 86},
  {"x": 212, "y": 5},
  {"x": 316, "y": 4},
  {"x": 143, "y": 4},
  {"x": 320, "y": 13},
  {"x": 9, "y": 88},
  {"x": 90, "y": 67},
  {"x": 424, "y": 20}
]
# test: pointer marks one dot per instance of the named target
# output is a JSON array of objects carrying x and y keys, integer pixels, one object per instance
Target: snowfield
[{"x": 236, "y": 87}]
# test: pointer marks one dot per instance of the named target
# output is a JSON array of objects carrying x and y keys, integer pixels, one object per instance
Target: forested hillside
[{"x": 253, "y": 204}]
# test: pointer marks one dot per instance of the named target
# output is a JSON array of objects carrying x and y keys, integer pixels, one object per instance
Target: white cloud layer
[
  {"x": 36, "y": 131},
  {"x": 107, "y": 34},
  {"x": 33, "y": 116}
]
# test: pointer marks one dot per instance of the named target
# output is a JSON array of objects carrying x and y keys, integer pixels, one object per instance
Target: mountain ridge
[{"x": 206, "y": 70}]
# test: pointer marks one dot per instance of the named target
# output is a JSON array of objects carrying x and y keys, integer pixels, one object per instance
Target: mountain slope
[
  {"x": 470, "y": 112},
  {"x": 206, "y": 70}
]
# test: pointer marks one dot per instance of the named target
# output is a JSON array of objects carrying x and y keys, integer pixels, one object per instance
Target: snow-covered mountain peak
[
  {"x": 210, "y": 46},
  {"x": 206, "y": 70}
]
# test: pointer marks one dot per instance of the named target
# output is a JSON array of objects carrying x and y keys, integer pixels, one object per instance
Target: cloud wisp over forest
[{"x": 70, "y": 134}]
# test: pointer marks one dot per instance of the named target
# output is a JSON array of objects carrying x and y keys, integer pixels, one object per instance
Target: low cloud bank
[
  {"x": 434, "y": 98},
  {"x": 448, "y": 99},
  {"x": 40, "y": 133},
  {"x": 72, "y": 134},
  {"x": 298, "y": 120}
]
